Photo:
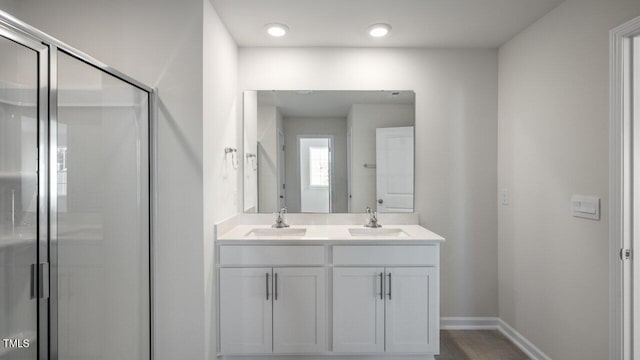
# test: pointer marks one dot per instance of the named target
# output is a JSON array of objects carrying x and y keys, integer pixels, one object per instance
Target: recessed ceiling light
[
  {"x": 379, "y": 30},
  {"x": 277, "y": 30}
]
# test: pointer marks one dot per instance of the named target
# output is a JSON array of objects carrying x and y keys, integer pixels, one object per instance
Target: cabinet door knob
[{"x": 380, "y": 201}]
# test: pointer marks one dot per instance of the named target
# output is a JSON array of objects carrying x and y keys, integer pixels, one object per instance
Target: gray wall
[
  {"x": 315, "y": 126},
  {"x": 553, "y": 142},
  {"x": 269, "y": 120},
  {"x": 456, "y": 144}
]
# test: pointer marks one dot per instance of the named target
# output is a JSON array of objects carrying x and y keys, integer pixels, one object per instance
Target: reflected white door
[
  {"x": 349, "y": 163},
  {"x": 281, "y": 171},
  {"x": 394, "y": 169}
]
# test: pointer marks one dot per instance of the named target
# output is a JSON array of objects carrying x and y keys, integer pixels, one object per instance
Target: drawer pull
[
  {"x": 275, "y": 286},
  {"x": 389, "y": 286},
  {"x": 381, "y": 286},
  {"x": 267, "y": 283}
]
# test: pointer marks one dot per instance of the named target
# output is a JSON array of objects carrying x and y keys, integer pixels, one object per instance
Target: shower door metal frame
[{"x": 47, "y": 48}]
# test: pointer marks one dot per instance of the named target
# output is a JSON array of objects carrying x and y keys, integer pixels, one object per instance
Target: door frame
[
  {"x": 48, "y": 48},
  {"x": 621, "y": 220},
  {"x": 42, "y": 229}
]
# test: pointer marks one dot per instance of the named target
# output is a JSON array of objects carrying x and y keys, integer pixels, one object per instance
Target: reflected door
[
  {"x": 18, "y": 200},
  {"x": 315, "y": 174},
  {"x": 102, "y": 237},
  {"x": 394, "y": 169}
]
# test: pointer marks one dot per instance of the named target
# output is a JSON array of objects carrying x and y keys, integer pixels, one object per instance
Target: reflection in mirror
[{"x": 328, "y": 151}]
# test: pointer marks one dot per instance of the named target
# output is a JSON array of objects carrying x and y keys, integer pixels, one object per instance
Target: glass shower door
[
  {"x": 102, "y": 237},
  {"x": 18, "y": 200}
]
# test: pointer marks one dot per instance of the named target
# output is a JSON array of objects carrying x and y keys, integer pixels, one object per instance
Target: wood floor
[{"x": 477, "y": 345}]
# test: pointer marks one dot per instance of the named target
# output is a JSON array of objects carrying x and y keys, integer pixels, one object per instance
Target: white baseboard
[
  {"x": 469, "y": 323},
  {"x": 525, "y": 345},
  {"x": 494, "y": 323}
]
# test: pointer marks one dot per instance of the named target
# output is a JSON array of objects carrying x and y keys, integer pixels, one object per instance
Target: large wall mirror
[{"x": 328, "y": 151}]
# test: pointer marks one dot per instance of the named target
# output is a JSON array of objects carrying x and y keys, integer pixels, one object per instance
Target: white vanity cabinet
[
  {"x": 391, "y": 308},
  {"x": 385, "y": 310},
  {"x": 275, "y": 309},
  {"x": 328, "y": 297},
  {"x": 299, "y": 310},
  {"x": 358, "y": 309},
  {"x": 246, "y": 316}
]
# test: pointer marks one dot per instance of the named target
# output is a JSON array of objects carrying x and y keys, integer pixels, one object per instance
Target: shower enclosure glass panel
[
  {"x": 102, "y": 215},
  {"x": 18, "y": 199}
]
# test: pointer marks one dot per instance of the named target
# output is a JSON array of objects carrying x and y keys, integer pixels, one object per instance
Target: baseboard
[
  {"x": 494, "y": 323},
  {"x": 520, "y": 341},
  {"x": 469, "y": 323}
]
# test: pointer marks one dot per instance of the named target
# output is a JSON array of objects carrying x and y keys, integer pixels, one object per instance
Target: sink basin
[
  {"x": 277, "y": 232},
  {"x": 377, "y": 232}
]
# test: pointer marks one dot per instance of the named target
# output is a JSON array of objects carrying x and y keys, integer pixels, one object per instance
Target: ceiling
[
  {"x": 415, "y": 23},
  {"x": 328, "y": 104}
]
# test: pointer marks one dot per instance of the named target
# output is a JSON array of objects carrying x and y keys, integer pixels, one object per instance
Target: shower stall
[{"x": 75, "y": 213}]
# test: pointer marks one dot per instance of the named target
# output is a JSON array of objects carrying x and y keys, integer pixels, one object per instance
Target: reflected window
[{"x": 319, "y": 166}]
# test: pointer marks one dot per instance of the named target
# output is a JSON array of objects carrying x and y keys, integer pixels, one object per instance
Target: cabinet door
[
  {"x": 299, "y": 310},
  {"x": 245, "y": 310},
  {"x": 358, "y": 310},
  {"x": 411, "y": 317}
]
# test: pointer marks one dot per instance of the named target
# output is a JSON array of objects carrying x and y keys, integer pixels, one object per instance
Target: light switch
[{"x": 587, "y": 207}]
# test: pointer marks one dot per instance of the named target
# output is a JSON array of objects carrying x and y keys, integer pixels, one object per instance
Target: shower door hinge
[
  {"x": 40, "y": 281},
  {"x": 625, "y": 254}
]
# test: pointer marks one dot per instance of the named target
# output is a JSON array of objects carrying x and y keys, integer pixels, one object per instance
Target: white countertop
[{"x": 414, "y": 233}]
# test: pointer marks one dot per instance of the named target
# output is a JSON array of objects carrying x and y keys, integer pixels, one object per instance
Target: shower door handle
[{"x": 39, "y": 281}]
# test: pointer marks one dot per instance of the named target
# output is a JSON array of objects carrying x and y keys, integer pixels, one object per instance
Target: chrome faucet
[
  {"x": 280, "y": 223},
  {"x": 372, "y": 219}
]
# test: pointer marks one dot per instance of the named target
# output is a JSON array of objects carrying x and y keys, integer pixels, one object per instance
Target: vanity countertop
[{"x": 324, "y": 233}]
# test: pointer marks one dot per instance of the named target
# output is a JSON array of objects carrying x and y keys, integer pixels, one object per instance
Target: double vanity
[
  {"x": 333, "y": 289},
  {"x": 333, "y": 284}
]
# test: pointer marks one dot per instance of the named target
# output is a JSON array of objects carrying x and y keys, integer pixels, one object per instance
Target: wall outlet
[{"x": 504, "y": 196}]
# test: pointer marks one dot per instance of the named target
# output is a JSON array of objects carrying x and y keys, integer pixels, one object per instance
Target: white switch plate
[
  {"x": 504, "y": 196},
  {"x": 587, "y": 207}
]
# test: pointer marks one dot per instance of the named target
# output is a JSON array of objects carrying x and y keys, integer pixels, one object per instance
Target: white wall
[
  {"x": 553, "y": 142},
  {"x": 337, "y": 127},
  {"x": 222, "y": 126},
  {"x": 365, "y": 119},
  {"x": 456, "y": 143}
]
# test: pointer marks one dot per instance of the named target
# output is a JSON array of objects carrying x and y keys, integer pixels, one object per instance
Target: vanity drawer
[
  {"x": 385, "y": 255},
  {"x": 271, "y": 255}
]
